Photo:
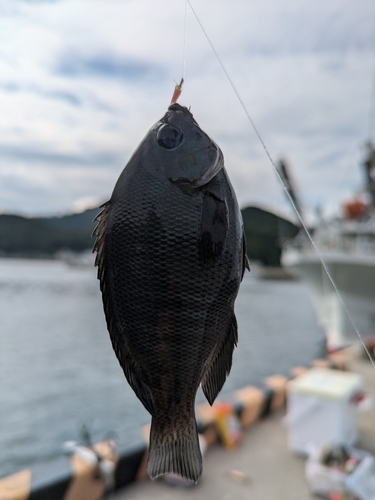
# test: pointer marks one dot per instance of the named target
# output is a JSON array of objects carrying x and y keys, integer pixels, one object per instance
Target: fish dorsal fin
[
  {"x": 99, "y": 232},
  {"x": 126, "y": 362}
]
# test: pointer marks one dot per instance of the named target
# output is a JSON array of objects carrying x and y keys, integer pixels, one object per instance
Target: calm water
[{"x": 58, "y": 371}]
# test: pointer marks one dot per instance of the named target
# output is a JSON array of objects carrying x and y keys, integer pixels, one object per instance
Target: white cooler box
[{"x": 321, "y": 407}]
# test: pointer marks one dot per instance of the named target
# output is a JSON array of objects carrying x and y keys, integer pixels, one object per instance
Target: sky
[{"x": 82, "y": 81}]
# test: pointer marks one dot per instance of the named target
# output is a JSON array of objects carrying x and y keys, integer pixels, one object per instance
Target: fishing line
[
  {"x": 178, "y": 88},
  {"x": 371, "y": 120},
  {"x": 184, "y": 46},
  {"x": 322, "y": 261}
]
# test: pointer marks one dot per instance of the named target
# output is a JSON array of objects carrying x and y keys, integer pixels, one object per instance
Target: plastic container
[{"x": 322, "y": 407}]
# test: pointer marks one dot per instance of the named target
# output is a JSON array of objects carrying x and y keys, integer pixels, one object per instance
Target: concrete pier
[{"x": 262, "y": 467}]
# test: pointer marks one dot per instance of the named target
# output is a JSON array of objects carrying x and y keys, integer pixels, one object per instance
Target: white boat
[
  {"x": 349, "y": 255},
  {"x": 347, "y": 247}
]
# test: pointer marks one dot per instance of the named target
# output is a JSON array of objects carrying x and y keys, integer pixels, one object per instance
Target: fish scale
[{"x": 170, "y": 256}]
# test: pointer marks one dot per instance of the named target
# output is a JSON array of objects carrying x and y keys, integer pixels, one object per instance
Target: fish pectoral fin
[
  {"x": 214, "y": 228},
  {"x": 215, "y": 375},
  {"x": 245, "y": 259}
]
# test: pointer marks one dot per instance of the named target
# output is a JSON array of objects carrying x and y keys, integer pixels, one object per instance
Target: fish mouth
[{"x": 178, "y": 107}]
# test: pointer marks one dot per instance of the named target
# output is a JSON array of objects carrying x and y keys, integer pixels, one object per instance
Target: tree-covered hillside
[
  {"x": 45, "y": 236},
  {"x": 34, "y": 237}
]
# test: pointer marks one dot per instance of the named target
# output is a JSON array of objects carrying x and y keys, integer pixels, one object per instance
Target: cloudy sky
[{"x": 81, "y": 82}]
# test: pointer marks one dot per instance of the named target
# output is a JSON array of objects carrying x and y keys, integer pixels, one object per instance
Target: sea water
[{"x": 58, "y": 372}]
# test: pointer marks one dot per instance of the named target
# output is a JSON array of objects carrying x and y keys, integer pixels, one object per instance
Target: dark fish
[{"x": 171, "y": 256}]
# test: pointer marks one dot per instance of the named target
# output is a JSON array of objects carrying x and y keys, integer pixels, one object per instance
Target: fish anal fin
[
  {"x": 174, "y": 449},
  {"x": 215, "y": 375}
]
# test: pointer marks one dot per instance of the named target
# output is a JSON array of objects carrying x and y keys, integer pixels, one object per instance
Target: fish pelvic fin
[
  {"x": 174, "y": 450},
  {"x": 217, "y": 372}
]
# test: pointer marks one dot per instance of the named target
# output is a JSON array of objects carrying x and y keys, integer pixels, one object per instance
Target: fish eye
[{"x": 169, "y": 137}]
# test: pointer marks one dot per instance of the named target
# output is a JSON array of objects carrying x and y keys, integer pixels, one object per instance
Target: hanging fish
[{"x": 171, "y": 255}]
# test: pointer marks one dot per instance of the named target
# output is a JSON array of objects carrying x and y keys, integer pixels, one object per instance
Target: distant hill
[
  {"x": 34, "y": 237},
  {"x": 46, "y": 235}
]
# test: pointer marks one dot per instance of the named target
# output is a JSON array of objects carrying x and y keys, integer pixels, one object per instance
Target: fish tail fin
[{"x": 174, "y": 450}]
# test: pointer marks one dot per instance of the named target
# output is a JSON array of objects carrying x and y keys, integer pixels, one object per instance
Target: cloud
[
  {"x": 40, "y": 156},
  {"x": 82, "y": 82},
  {"x": 36, "y": 2},
  {"x": 68, "y": 97},
  {"x": 71, "y": 187},
  {"x": 107, "y": 65}
]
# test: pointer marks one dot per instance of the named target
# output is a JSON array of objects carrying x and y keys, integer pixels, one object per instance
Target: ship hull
[{"x": 354, "y": 276}]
